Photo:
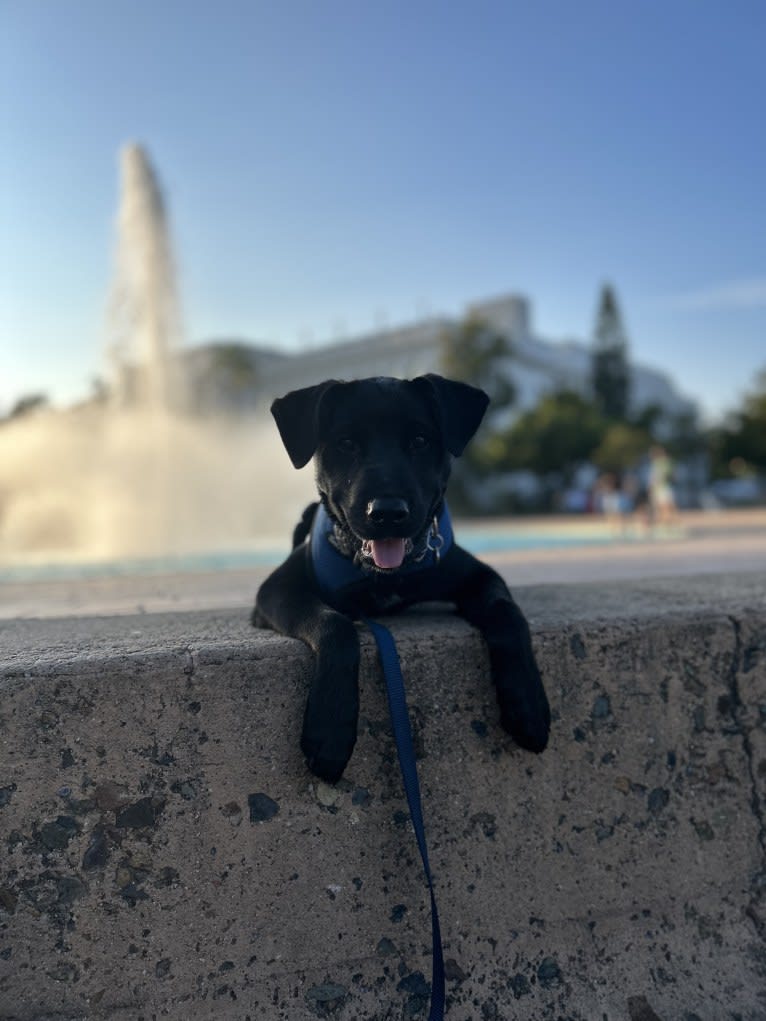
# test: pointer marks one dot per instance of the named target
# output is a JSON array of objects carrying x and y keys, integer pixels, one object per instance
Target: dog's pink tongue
[{"x": 387, "y": 553}]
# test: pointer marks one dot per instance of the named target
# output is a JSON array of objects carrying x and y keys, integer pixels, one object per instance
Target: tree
[
  {"x": 622, "y": 447},
  {"x": 473, "y": 353},
  {"x": 27, "y": 404},
  {"x": 223, "y": 378},
  {"x": 743, "y": 437},
  {"x": 555, "y": 436},
  {"x": 478, "y": 354},
  {"x": 610, "y": 375},
  {"x": 233, "y": 365}
]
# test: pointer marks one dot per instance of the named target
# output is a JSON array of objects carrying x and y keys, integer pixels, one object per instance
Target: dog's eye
[
  {"x": 419, "y": 442},
  {"x": 347, "y": 445}
]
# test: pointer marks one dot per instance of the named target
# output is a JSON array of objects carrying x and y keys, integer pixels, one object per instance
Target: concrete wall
[{"x": 165, "y": 854}]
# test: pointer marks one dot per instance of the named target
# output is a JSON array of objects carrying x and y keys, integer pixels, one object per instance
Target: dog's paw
[
  {"x": 525, "y": 714},
  {"x": 331, "y": 718},
  {"x": 531, "y": 734},
  {"x": 326, "y": 759},
  {"x": 257, "y": 619}
]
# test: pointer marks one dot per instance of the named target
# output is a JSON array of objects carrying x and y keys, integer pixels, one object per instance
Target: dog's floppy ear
[
  {"x": 461, "y": 405},
  {"x": 297, "y": 418}
]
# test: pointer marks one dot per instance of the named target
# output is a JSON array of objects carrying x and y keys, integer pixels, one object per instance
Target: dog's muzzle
[
  {"x": 339, "y": 572},
  {"x": 382, "y": 513},
  {"x": 389, "y": 554}
]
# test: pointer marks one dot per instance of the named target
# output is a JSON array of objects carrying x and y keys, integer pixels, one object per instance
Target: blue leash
[{"x": 400, "y": 721}]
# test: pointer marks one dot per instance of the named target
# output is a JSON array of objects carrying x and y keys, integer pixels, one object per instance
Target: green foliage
[
  {"x": 27, "y": 404},
  {"x": 622, "y": 447},
  {"x": 743, "y": 438},
  {"x": 471, "y": 354},
  {"x": 566, "y": 429},
  {"x": 223, "y": 380},
  {"x": 685, "y": 439},
  {"x": 474, "y": 353},
  {"x": 232, "y": 364},
  {"x": 647, "y": 418},
  {"x": 610, "y": 372},
  {"x": 559, "y": 433}
]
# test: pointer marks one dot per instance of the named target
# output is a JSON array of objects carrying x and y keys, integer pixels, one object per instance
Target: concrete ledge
[{"x": 166, "y": 854}]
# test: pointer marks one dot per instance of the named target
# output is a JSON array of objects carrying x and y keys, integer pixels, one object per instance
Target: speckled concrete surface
[{"x": 166, "y": 854}]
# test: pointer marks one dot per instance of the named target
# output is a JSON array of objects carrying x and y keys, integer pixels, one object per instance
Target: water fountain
[
  {"x": 144, "y": 317},
  {"x": 136, "y": 474}
]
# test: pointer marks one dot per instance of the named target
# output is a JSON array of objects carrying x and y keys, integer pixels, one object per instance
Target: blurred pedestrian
[
  {"x": 613, "y": 502},
  {"x": 662, "y": 501}
]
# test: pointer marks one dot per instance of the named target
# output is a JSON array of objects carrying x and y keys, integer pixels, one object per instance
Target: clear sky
[{"x": 334, "y": 162}]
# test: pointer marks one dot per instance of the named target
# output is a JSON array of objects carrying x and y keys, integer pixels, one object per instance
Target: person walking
[{"x": 662, "y": 501}]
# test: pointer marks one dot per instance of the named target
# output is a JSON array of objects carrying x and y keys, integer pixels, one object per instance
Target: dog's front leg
[
  {"x": 483, "y": 598},
  {"x": 287, "y": 603}
]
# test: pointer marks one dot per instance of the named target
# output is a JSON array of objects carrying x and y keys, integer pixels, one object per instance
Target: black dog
[{"x": 383, "y": 455}]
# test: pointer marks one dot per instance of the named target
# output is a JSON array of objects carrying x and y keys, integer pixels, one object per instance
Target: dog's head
[{"x": 383, "y": 450}]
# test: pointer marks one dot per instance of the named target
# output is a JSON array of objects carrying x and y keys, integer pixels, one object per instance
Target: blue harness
[{"x": 335, "y": 573}]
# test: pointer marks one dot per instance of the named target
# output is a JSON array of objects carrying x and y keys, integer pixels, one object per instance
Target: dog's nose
[{"x": 388, "y": 510}]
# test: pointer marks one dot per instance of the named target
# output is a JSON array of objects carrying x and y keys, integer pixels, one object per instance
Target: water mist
[{"x": 137, "y": 474}]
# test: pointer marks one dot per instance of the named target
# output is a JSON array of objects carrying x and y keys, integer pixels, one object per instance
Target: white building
[{"x": 536, "y": 366}]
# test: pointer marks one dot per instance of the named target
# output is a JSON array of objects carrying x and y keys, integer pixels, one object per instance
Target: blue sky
[{"x": 331, "y": 162}]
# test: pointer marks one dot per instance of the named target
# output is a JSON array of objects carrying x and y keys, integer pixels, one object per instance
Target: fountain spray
[
  {"x": 144, "y": 318},
  {"x": 139, "y": 474}
]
